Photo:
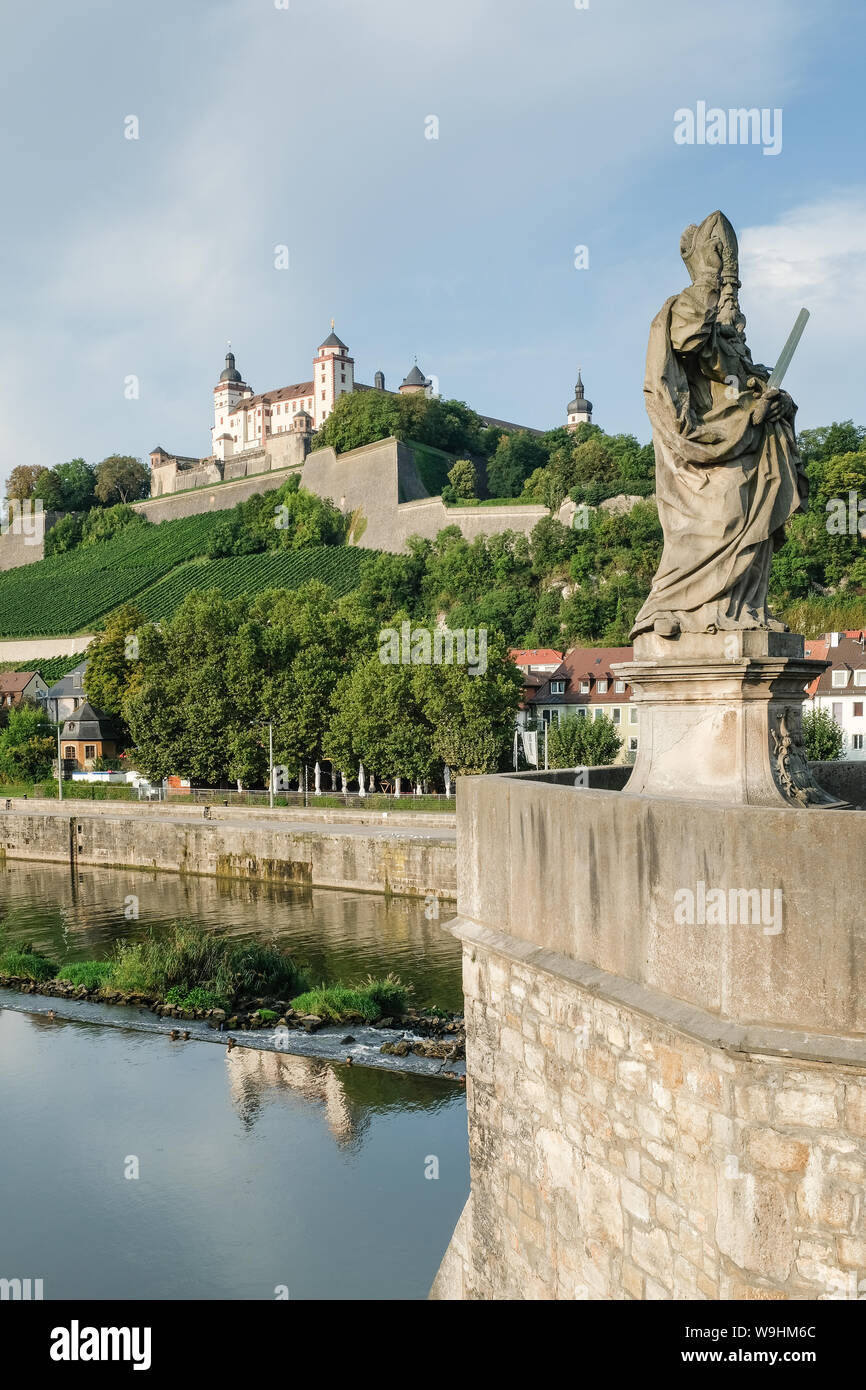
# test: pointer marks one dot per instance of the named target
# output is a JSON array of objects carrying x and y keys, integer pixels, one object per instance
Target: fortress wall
[
  {"x": 205, "y": 499},
  {"x": 381, "y": 484},
  {"x": 656, "y": 1110}
]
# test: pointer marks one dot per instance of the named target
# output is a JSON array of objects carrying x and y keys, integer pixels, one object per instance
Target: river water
[{"x": 136, "y": 1167}]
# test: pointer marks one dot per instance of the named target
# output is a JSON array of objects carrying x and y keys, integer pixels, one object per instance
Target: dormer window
[
  {"x": 860, "y": 677},
  {"x": 601, "y": 686},
  {"x": 557, "y": 687},
  {"x": 584, "y": 687},
  {"x": 840, "y": 679},
  {"x": 619, "y": 687}
]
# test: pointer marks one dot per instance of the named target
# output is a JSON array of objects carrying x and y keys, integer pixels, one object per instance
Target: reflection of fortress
[{"x": 253, "y": 1074}]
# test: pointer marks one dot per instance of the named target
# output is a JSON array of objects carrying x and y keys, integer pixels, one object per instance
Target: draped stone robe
[{"x": 725, "y": 487}]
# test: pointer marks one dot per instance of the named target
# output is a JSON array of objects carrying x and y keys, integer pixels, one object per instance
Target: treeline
[
  {"x": 194, "y": 693},
  {"x": 77, "y": 486}
]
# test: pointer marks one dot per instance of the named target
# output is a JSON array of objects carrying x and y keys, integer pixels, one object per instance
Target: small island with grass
[{"x": 188, "y": 973}]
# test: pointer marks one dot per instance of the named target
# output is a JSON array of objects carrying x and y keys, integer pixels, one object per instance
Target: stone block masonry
[
  {"x": 658, "y": 1110},
  {"x": 402, "y": 861},
  {"x": 616, "y": 1157}
]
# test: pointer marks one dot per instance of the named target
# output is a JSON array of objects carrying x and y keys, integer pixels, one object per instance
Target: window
[
  {"x": 840, "y": 679},
  {"x": 837, "y": 712},
  {"x": 557, "y": 687},
  {"x": 632, "y": 745},
  {"x": 581, "y": 711},
  {"x": 584, "y": 687},
  {"x": 616, "y": 715},
  {"x": 857, "y": 742},
  {"x": 69, "y": 753},
  {"x": 632, "y": 714},
  {"x": 860, "y": 677},
  {"x": 601, "y": 686},
  {"x": 89, "y": 750},
  {"x": 858, "y": 709},
  {"x": 619, "y": 687}
]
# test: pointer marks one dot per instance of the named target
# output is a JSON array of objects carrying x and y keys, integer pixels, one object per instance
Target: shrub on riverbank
[
  {"x": 26, "y": 963},
  {"x": 89, "y": 973},
  {"x": 188, "y": 959},
  {"x": 340, "y": 1003}
]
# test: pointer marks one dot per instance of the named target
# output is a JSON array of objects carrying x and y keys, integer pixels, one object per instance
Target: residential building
[
  {"x": 583, "y": 686},
  {"x": 841, "y": 690},
  {"x": 16, "y": 686},
  {"x": 87, "y": 736},
  {"x": 67, "y": 694}
]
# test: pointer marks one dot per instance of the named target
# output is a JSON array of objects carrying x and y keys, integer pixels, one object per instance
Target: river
[{"x": 136, "y": 1167}]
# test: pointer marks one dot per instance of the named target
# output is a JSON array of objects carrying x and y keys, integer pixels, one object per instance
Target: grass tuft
[
  {"x": 90, "y": 973},
  {"x": 340, "y": 1003},
  {"x": 27, "y": 963}
]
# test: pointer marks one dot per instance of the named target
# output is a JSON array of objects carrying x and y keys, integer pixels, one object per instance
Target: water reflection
[
  {"x": 75, "y": 914},
  {"x": 256, "y": 1169}
]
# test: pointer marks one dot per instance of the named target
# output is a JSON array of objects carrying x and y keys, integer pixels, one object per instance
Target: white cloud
[{"x": 813, "y": 257}]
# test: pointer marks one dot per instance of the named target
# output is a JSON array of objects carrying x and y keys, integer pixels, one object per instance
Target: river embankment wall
[{"x": 400, "y": 855}]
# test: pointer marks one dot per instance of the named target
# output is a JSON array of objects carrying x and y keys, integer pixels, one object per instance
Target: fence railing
[{"x": 227, "y": 796}]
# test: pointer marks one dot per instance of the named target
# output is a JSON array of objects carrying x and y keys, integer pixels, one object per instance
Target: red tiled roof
[
  {"x": 588, "y": 663},
  {"x": 848, "y": 655},
  {"x": 534, "y": 656},
  {"x": 283, "y": 393},
  {"x": 10, "y": 681}
]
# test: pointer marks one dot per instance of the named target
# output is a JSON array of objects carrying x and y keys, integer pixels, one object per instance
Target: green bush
[
  {"x": 340, "y": 1003},
  {"x": 823, "y": 736},
  {"x": 175, "y": 964},
  {"x": 90, "y": 973},
  {"x": 26, "y": 962}
]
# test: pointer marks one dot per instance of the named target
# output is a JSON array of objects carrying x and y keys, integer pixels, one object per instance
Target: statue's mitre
[{"x": 702, "y": 247}]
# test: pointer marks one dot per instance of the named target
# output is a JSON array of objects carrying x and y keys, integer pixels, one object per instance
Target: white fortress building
[
  {"x": 243, "y": 420},
  {"x": 253, "y": 433}
]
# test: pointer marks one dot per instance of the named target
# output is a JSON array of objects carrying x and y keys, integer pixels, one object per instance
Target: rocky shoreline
[{"x": 435, "y": 1035}]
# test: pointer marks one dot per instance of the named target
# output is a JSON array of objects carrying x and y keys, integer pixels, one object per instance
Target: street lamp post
[
  {"x": 270, "y": 764},
  {"x": 59, "y": 768}
]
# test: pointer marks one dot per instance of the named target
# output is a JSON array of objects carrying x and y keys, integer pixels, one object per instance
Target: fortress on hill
[{"x": 257, "y": 438}]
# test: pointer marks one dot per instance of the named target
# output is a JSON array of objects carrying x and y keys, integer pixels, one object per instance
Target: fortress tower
[
  {"x": 333, "y": 375},
  {"x": 580, "y": 409}
]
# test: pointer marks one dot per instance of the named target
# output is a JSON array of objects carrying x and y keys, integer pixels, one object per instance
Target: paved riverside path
[{"x": 386, "y": 830}]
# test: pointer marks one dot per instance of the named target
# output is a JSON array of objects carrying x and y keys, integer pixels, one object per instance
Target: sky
[{"x": 127, "y": 263}]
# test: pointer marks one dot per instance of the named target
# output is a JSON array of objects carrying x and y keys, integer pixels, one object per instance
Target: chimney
[{"x": 834, "y": 639}]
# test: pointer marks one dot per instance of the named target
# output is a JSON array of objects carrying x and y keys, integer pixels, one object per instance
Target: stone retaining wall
[{"x": 398, "y": 862}]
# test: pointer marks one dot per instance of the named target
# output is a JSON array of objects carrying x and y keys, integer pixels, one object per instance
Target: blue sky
[{"x": 305, "y": 126}]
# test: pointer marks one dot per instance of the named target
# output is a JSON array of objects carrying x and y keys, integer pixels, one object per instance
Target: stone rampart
[{"x": 659, "y": 1108}]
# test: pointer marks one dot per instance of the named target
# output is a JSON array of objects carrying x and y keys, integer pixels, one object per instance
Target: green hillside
[
  {"x": 74, "y": 591},
  {"x": 337, "y": 566}
]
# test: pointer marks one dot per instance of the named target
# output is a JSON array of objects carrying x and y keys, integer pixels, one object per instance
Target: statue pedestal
[{"x": 720, "y": 718}]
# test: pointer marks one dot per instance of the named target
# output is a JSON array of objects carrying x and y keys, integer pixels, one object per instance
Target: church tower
[
  {"x": 333, "y": 375},
  {"x": 580, "y": 409},
  {"x": 229, "y": 391}
]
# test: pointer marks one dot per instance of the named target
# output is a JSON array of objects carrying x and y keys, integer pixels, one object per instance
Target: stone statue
[{"x": 728, "y": 473}]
